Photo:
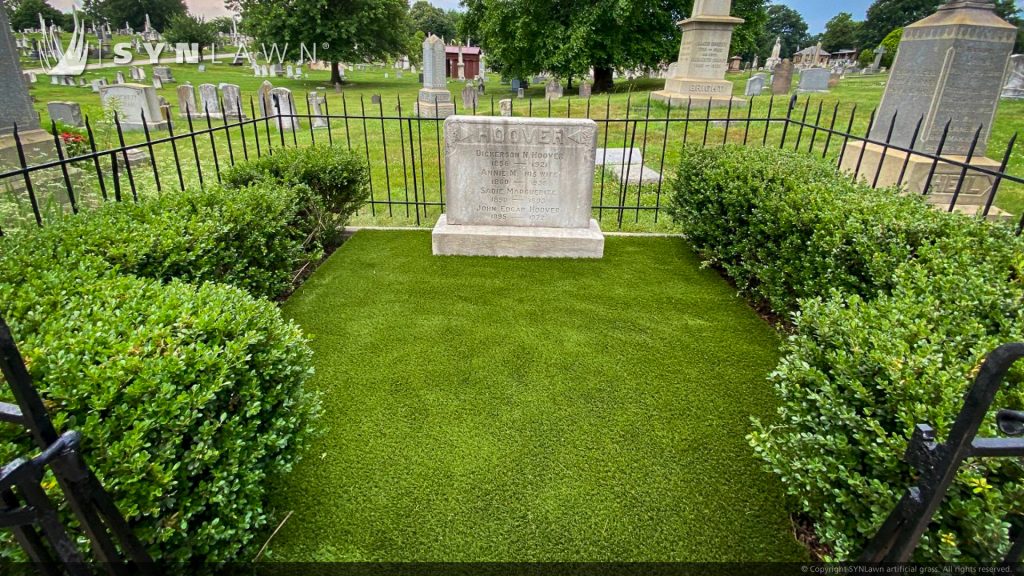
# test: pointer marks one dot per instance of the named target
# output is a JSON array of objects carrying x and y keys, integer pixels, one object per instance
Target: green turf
[{"x": 484, "y": 409}]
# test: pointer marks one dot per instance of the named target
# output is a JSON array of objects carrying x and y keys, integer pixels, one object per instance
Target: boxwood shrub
[
  {"x": 334, "y": 184},
  {"x": 893, "y": 307},
  {"x": 187, "y": 396}
]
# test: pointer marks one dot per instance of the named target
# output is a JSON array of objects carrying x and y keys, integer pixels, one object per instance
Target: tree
[
  {"x": 339, "y": 30},
  {"x": 188, "y": 29},
  {"x": 886, "y": 15},
  {"x": 26, "y": 15},
  {"x": 866, "y": 58},
  {"x": 134, "y": 12},
  {"x": 1008, "y": 10},
  {"x": 841, "y": 32},
  {"x": 892, "y": 44},
  {"x": 430, "y": 19},
  {"x": 223, "y": 24},
  {"x": 785, "y": 23},
  {"x": 568, "y": 37}
]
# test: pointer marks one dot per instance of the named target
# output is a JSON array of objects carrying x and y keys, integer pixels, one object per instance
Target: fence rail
[{"x": 406, "y": 158}]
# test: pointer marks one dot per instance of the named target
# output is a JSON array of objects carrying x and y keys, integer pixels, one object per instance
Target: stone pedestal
[
  {"x": 519, "y": 187},
  {"x": 434, "y": 104},
  {"x": 699, "y": 74},
  {"x": 974, "y": 194}
]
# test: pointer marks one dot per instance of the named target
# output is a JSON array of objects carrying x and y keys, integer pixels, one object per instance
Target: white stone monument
[
  {"x": 519, "y": 187},
  {"x": 703, "y": 58},
  {"x": 434, "y": 99},
  {"x": 134, "y": 102},
  {"x": 775, "y": 59}
]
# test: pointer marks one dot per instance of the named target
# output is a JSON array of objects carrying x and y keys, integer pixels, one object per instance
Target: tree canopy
[
  {"x": 568, "y": 37},
  {"x": 25, "y": 14},
  {"x": 429, "y": 19},
  {"x": 339, "y": 30},
  {"x": 188, "y": 29},
  {"x": 785, "y": 23},
  {"x": 841, "y": 32},
  {"x": 117, "y": 12}
]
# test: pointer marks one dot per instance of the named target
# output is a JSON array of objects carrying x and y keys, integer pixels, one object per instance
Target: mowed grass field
[
  {"x": 496, "y": 409},
  {"x": 405, "y": 155}
]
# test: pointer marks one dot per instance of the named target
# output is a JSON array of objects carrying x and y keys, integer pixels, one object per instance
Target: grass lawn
[{"x": 483, "y": 409}]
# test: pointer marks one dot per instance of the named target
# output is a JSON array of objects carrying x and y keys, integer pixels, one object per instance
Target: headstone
[
  {"x": 264, "y": 71},
  {"x": 158, "y": 84},
  {"x": 163, "y": 73},
  {"x": 375, "y": 99},
  {"x": 775, "y": 59},
  {"x": 782, "y": 80},
  {"x": 69, "y": 113},
  {"x": 521, "y": 93},
  {"x": 949, "y": 68},
  {"x": 877, "y": 64},
  {"x": 814, "y": 80},
  {"x": 735, "y": 63},
  {"x": 283, "y": 108},
  {"x": 553, "y": 90},
  {"x": 201, "y": 68},
  {"x": 187, "y": 101},
  {"x": 519, "y": 187},
  {"x": 232, "y": 95},
  {"x": 263, "y": 97},
  {"x": 505, "y": 106},
  {"x": 133, "y": 103},
  {"x": 703, "y": 57},
  {"x": 586, "y": 88},
  {"x": 1014, "y": 88},
  {"x": 98, "y": 83},
  {"x": 755, "y": 85},
  {"x": 291, "y": 71},
  {"x": 209, "y": 101},
  {"x": 469, "y": 97},
  {"x": 434, "y": 100},
  {"x": 317, "y": 104},
  {"x": 119, "y": 78}
]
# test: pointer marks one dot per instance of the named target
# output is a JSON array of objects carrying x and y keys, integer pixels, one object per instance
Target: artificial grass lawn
[{"x": 481, "y": 409}]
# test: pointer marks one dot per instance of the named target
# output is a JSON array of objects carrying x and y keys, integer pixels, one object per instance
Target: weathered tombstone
[
  {"x": 209, "y": 101},
  {"x": 186, "y": 101},
  {"x": 263, "y": 96},
  {"x": 163, "y": 73},
  {"x": 119, "y": 78},
  {"x": 375, "y": 99},
  {"x": 283, "y": 107},
  {"x": 232, "y": 95},
  {"x": 136, "y": 73},
  {"x": 950, "y": 69},
  {"x": 201, "y": 68},
  {"x": 505, "y": 106},
  {"x": 519, "y": 187},
  {"x": 1014, "y": 88},
  {"x": 703, "y": 57},
  {"x": 98, "y": 83},
  {"x": 521, "y": 93},
  {"x": 69, "y": 113},
  {"x": 158, "y": 84},
  {"x": 136, "y": 104},
  {"x": 814, "y": 80},
  {"x": 553, "y": 90},
  {"x": 877, "y": 64},
  {"x": 586, "y": 89},
  {"x": 317, "y": 104},
  {"x": 469, "y": 97},
  {"x": 755, "y": 85},
  {"x": 434, "y": 100},
  {"x": 291, "y": 71},
  {"x": 264, "y": 71},
  {"x": 782, "y": 80},
  {"x": 735, "y": 63}
]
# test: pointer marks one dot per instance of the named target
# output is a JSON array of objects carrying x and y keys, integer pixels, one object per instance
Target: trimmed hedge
[
  {"x": 335, "y": 184},
  {"x": 894, "y": 305}
]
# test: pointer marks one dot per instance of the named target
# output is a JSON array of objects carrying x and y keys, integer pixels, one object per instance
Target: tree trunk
[
  {"x": 570, "y": 82},
  {"x": 335, "y": 74},
  {"x": 602, "y": 79}
]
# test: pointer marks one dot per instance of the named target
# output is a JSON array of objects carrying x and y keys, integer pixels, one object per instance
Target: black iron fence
[{"x": 406, "y": 158}]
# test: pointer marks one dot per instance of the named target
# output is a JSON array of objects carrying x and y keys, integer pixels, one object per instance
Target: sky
[{"x": 816, "y": 12}]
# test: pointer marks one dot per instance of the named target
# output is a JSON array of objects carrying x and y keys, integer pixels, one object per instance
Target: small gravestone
[
  {"x": 158, "y": 84},
  {"x": 263, "y": 98},
  {"x": 317, "y": 104},
  {"x": 505, "y": 106},
  {"x": 163, "y": 73},
  {"x": 519, "y": 187},
  {"x": 119, "y": 78},
  {"x": 755, "y": 85},
  {"x": 69, "y": 113},
  {"x": 264, "y": 71},
  {"x": 98, "y": 83},
  {"x": 586, "y": 89},
  {"x": 521, "y": 93},
  {"x": 137, "y": 106},
  {"x": 209, "y": 103},
  {"x": 782, "y": 80},
  {"x": 814, "y": 80},
  {"x": 284, "y": 109},
  {"x": 232, "y": 95},
  {"x": 375, "y": 99},
  {"x": 186, "y": 101},
  {"x": 291, "y": 71},
  {"x": 1014, "y": 88},
  {"x": 202, "y": 68},
  {"x": 553, "y": 90},
  {"x": 469, "y": 97}
]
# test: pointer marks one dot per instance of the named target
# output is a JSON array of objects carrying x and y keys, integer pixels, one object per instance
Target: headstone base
[
  {"x": 441, "y": 110},
  {"x": 974, "y": 193},
  {"x": 136, "y": 126},
  {"x": 680, "y": 91},
  {"x": 515, "y": 241}
]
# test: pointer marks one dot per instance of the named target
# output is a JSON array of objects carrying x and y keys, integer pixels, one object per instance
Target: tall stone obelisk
[
  {"x": 703, "y": 57},
  {"x": 949, "y": 69},
  {"x": 17, "y": 108},
  {"x": 434, "y": 100}
]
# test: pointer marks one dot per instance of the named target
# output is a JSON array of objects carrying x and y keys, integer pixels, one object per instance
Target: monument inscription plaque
[{"x": 519, "y": 187}]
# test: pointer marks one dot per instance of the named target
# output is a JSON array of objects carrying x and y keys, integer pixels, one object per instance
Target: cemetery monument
[
  {"x": 434, "y": 100},
  {"x": 1014, "y": 88},
  {"x": 519, "y": 187}
]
